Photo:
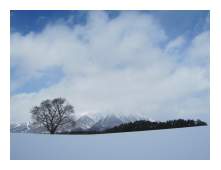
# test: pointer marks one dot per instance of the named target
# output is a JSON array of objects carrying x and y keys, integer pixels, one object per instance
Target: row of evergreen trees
[
  {"x": 148, "y": 125},
  {"x": 144, "y": 125}
]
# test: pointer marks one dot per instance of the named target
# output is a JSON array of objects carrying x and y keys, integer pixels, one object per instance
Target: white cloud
[
  {"x": 175, "y": 45},
  {"x": 199, "y": 50},
  {"x": 114, "y": 65}
]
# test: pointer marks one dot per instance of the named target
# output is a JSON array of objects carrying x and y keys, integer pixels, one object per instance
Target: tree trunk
[{"x": 52, "y": 132}]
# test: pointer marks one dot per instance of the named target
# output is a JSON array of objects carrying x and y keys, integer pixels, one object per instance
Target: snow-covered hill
[{"x": 182, "y": 143}]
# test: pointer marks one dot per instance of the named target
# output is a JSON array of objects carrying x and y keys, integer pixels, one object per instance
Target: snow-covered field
[{"x": 185, "y": 143}]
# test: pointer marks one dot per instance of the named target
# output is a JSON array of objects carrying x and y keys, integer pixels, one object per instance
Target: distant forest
[{"x": 144, "y": 125}]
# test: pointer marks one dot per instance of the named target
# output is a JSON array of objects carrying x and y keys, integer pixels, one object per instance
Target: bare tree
[{"x": 53, "y": 114}]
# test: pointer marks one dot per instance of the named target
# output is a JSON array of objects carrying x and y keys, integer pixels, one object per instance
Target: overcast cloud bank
[{"x": 125, "y": 65}]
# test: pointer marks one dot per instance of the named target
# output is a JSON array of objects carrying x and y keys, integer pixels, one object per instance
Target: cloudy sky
[{"x": 154, "y": 63}]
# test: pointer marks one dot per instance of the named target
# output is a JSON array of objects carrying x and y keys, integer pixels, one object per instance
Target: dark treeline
[
  {"x": 145, "y": 125},
  {"x": 148, "y": 125}
]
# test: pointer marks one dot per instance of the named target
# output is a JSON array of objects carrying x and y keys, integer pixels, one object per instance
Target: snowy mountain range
[
  {"x": 26, "y": 128},
  {"x": 93, "y": 121}
]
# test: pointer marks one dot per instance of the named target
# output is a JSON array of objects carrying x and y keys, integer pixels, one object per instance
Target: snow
[{"x": 184, "y": 143}]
